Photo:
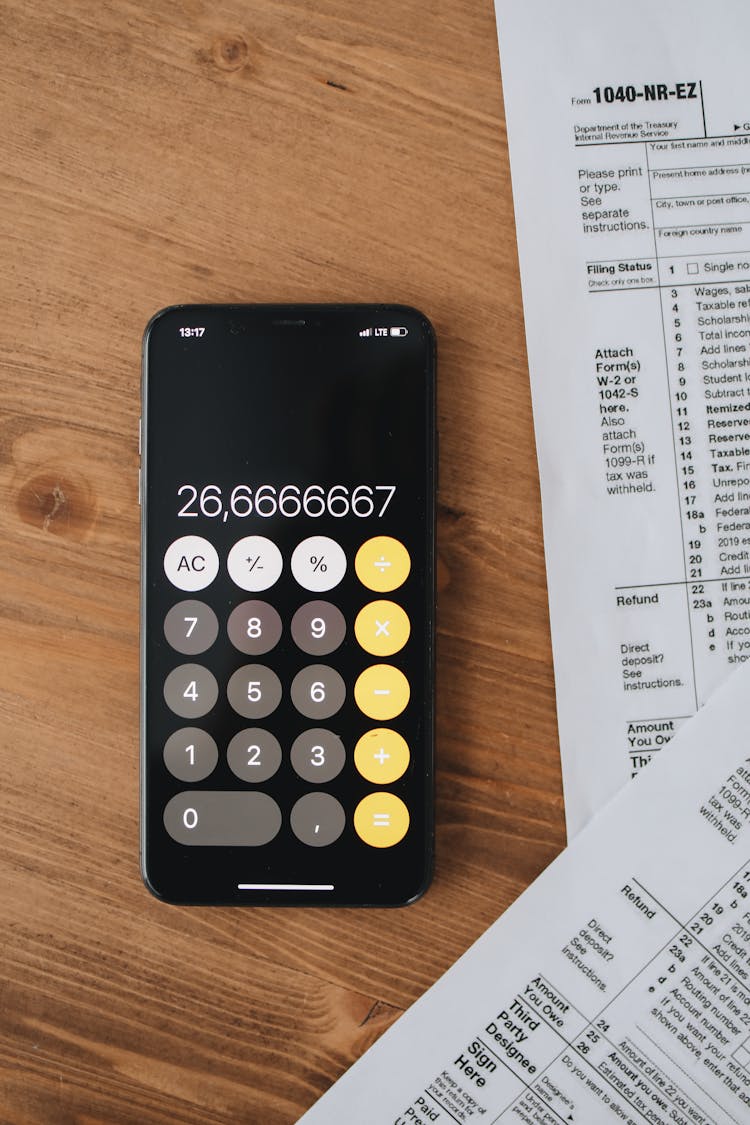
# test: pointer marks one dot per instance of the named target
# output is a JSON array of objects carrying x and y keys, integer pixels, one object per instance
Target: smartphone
[{"x": 288, "y": 594}]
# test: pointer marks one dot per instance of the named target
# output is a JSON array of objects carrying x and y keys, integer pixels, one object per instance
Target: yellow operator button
[
  {"x": 381, "y": 820},
  {"x": 381, "y": 692},
  {"x": 382, "y": 564},
  {"x": 382, "y": 628},
  {"x": 381, "y": 756}
]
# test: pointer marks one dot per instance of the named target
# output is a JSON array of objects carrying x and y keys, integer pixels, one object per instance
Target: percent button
[{"x": 318, "y": 563}]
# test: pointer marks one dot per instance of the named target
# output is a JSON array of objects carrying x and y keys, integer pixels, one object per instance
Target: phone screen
[{"x": 288, "y": 594}]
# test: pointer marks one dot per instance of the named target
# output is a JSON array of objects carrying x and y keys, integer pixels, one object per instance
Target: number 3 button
[{"x": 318, "y": 755}]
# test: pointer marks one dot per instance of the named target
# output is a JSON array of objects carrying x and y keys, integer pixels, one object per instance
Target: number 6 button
[{"x": 318, "y": 691}]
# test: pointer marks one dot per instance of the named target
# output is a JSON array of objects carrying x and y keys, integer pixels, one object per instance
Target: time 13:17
[{"x": 189, "y": 332}]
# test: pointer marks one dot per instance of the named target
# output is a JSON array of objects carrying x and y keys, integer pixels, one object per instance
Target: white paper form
[
  {"x": 615, "y": 989},
  {"x": 629, "y": 133}
]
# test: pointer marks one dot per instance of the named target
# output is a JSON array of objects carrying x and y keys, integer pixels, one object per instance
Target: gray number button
[
  {"x": 317, "y": 819},
  {"x": 254, "y": 627},
  {"x": 222, "y": 819},
  {"x": 191, "y": 691},
  {"x": 318, "y": 691},
  {"x": 318, "y": 755},
  {"x": 191, "y": 627},
  {"x": 318, "y": 628},
  {"x": 190, "y": 754},
  {"x": 254, "y": 754},
  {"x": 254, "y": 691}
]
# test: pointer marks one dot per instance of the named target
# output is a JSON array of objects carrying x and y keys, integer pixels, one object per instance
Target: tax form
[
  {"x": 629, "y": 135},
  {"x": 616, "y": 988}
]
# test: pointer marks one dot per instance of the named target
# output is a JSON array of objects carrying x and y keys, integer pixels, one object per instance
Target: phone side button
[{"x": 139, "y": 488}]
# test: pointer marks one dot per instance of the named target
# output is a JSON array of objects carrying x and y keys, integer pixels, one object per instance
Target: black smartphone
[{"x": 288, "y": 592}]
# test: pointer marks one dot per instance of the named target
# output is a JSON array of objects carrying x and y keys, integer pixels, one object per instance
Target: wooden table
[{"x": 312, "y": 151}]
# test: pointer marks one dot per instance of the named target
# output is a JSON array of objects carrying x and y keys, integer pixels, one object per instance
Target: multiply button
[
  {"x": 382, "y": 564},
  {"x": 191, "y": 563},
  {"x": 381, "y": 756},
  {"x": 381, "y": 692},
  {"x": 254, "y": 563},
  {"x": 382, "y": 628},
  {"x": 381, "y": 820}
]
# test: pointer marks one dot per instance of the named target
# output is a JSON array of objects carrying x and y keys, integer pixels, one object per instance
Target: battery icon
[{"x": 399, "y": 332}]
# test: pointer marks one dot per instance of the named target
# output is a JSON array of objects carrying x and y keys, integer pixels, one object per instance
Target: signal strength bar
[{"x": 366, "y": 332}]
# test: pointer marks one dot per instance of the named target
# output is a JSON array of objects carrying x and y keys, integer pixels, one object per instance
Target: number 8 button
[{"x": 254, "y": 627}]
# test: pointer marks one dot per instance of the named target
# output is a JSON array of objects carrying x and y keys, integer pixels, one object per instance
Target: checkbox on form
[{"x": 692, "y": 267}]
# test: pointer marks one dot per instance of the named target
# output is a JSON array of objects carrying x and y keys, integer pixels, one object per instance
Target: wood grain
[{"x": 241, "y": 151}]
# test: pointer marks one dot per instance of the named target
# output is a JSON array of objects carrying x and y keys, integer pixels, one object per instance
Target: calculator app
[{"x": 288, "y": 602}]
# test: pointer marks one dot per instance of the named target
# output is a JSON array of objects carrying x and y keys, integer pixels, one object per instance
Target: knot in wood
[
  {"x": 55, "y": 503},
  {"x": 230, "y": 52}
]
